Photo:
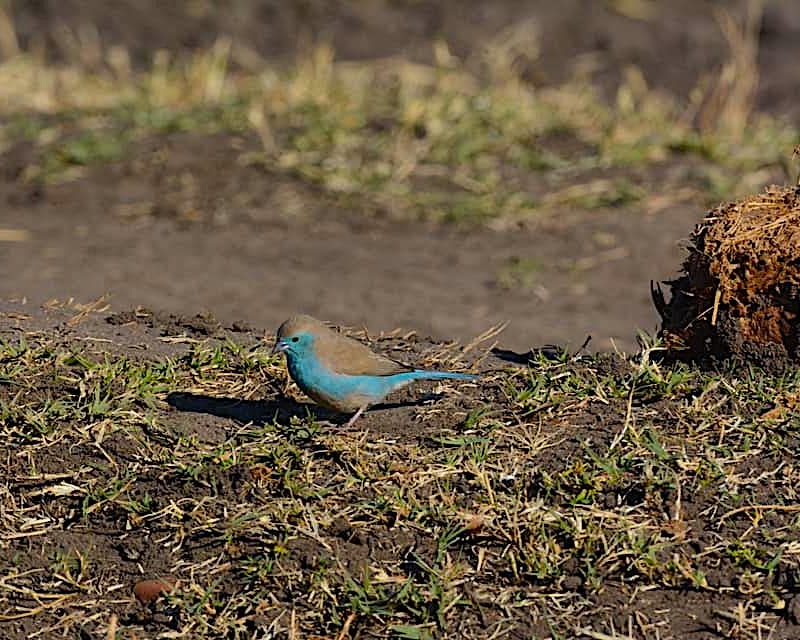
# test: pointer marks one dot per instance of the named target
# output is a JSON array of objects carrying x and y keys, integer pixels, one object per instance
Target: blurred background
[{"x": 439, "y": 166}]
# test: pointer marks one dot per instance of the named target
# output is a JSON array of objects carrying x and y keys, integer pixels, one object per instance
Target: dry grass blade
[
  {"x": 14, "y": 235},
  {"x": 731, "y": 101},
  {"x": 96, "y": 306}
]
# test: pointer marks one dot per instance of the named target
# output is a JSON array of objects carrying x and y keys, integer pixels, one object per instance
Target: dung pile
[{"x": 739, "y": 295}]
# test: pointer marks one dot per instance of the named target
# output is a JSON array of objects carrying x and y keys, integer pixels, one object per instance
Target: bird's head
[
  {"x": 296, "y": 344},
  {"x": 296, "y": 336}
]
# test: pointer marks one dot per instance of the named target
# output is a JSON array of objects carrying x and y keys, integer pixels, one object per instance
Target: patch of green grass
[
  {"x": 598, "y": 194},
  {"x": 519, "y": 272},
  {"x": 90, "y": 147},
  {"x": 418, "y": 142}
]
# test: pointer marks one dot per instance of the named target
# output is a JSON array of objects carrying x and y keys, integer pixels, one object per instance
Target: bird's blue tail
[{"x": 421, "y": 374}]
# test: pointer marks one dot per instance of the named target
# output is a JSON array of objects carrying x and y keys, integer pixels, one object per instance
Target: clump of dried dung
[{"x": 739, "y": 295}]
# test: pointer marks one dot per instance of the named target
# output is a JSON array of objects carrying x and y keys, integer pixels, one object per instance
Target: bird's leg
[{"x": 355, "y": 416}]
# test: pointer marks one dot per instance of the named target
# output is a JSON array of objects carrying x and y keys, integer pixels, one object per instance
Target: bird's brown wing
[{"x": 350, "y": 357}]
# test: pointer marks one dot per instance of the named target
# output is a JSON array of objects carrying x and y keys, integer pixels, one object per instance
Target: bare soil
[{"x": 276, "y": 248}]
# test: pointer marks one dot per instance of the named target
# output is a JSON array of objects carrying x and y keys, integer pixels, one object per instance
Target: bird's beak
[{"x": 280, "y": 347}]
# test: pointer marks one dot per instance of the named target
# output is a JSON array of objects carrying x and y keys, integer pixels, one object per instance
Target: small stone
[{"x": 148, "y": 590}]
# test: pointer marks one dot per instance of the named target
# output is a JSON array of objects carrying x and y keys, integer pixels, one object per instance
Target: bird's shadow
[
  {"x": 550, "y": 352},
  {"x": 260, "y": 412}
]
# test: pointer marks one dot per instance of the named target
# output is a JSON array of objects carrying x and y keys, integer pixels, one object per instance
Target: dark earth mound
[{"x": 739, "y": 297}]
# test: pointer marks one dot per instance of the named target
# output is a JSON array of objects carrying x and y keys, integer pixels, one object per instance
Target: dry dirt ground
[{"x": 593, "y": 280}]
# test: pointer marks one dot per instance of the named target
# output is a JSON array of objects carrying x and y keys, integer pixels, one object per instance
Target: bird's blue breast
[{"x": 336, "y": 390}]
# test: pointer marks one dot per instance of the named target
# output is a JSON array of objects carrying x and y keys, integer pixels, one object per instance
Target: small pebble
[
  {"x": 474, "y": 524},
  {"x": 148, "y": 590}
]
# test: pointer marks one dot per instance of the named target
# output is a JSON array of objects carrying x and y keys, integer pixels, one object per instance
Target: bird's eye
[{"x": 295, "y": 339}]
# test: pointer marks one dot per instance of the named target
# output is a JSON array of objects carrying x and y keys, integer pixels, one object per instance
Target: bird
[{"x": 341, "y": 373}]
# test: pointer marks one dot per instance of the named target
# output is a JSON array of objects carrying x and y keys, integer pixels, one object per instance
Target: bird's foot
[
  {"x": 328, "y": 424},
  {"x": 355, "y": 417}
]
